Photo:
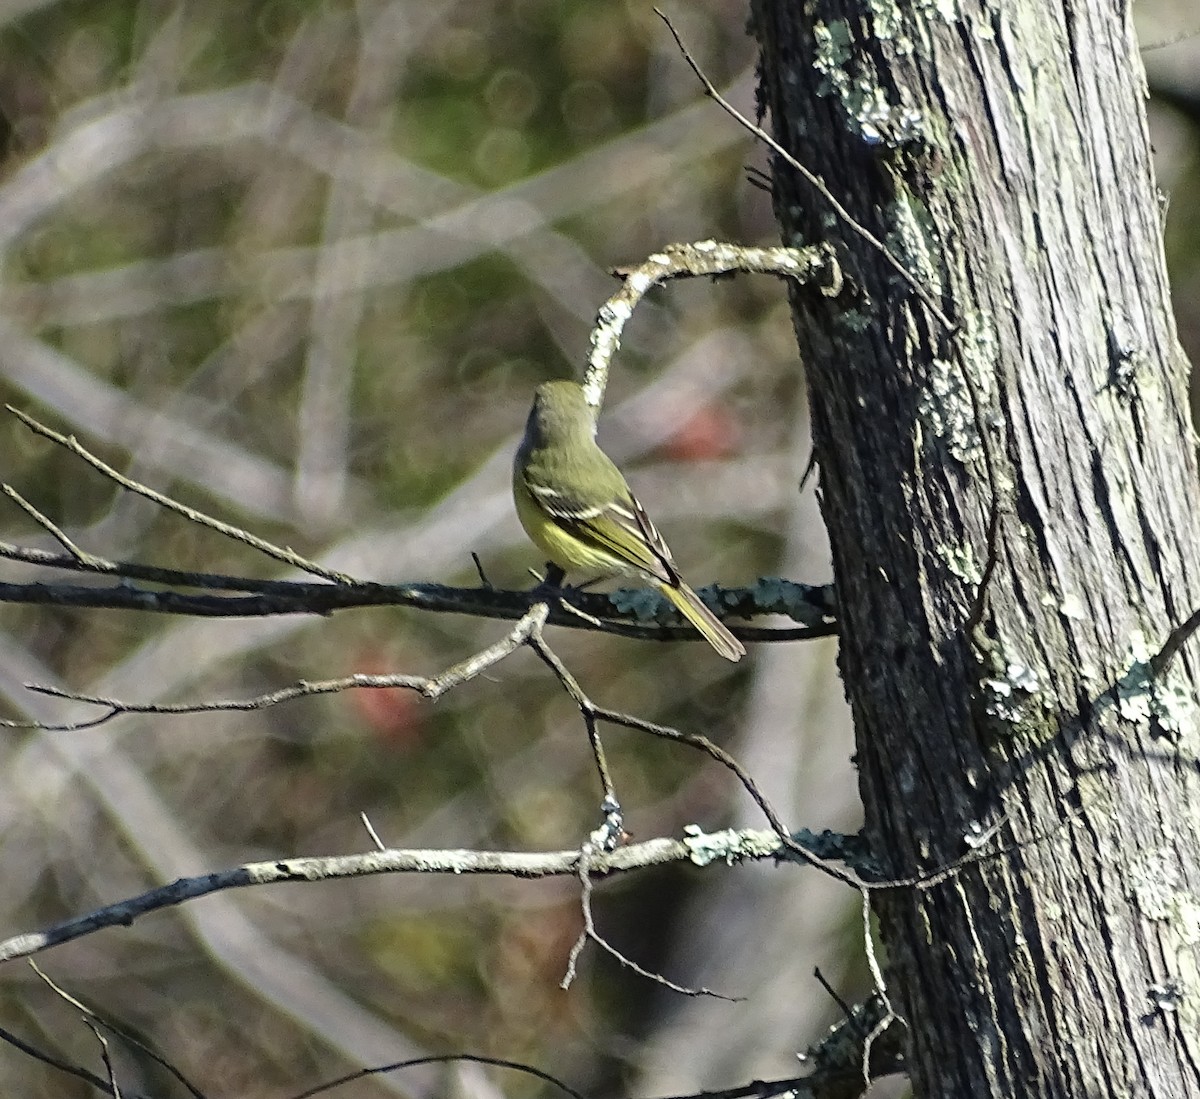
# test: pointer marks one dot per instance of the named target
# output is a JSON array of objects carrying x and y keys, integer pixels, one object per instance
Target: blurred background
[{"x": 301, "y": 263}]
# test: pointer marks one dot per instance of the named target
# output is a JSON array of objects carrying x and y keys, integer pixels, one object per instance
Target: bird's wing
[
  {"x": 656, "y": 556},
  {"x": 619, "y": 527},
  {"x": 559, "y": 501}
]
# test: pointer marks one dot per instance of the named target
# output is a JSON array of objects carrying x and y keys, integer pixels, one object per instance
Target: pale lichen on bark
[{"x": 1027, "y": 204}]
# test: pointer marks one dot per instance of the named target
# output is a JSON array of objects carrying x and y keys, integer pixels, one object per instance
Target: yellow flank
[
  {"x": 558, "y": 544},
  {"x": 572, "y": 555}
]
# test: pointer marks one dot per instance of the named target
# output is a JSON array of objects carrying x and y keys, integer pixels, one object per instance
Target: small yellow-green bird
[{"x": 576, "y": 507}]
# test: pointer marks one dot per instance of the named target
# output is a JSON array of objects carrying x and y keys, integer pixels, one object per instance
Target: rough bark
[{"x": 1001, "y": 151}]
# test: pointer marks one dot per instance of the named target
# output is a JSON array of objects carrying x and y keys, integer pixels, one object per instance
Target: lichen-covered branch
[{"x": 697, "y": 847}]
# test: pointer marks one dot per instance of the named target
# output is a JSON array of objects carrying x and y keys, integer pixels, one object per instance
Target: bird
[{"x": 577, "y": 508}]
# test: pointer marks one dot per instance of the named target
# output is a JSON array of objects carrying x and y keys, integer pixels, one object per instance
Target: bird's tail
[{"x": 690, "y": 606}]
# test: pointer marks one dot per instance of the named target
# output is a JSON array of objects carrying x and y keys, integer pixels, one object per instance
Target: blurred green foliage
[
  {"x": 300, "y": 263},
  {"x": 200, "y": 331}
]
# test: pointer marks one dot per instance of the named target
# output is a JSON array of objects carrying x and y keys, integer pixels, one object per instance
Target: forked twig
[
  {"x": 278, "y": 553},
  {"x": 431, "y": 687},
  {"x": 696, "y": 740},
  {"x": 590, "y": 932},
  {"x": 96, "y": 1021}
]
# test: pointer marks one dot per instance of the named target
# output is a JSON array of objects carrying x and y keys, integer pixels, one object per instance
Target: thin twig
[
  {"x": 440, "y": 1059},
  {"x": 278, "y": 553},
  {"x": 926, "y": 880},
  {"x": 590, "y": 932},
  {"x": 304, "y": 689},
  {"x": 1176, "y": 639},
  {"x": 810, "y": 467},
  {"x": 483, "y": 580},
  {"x": 132, "y": 570},
  {"x": 54, "y": 1062},
  {"x": 848, "y": 877},
  {"x": 114, "y": 1088},
  {"x": 366, "y": 821},
  {"x": 813, "y": 179},
  {"x": 529, "y": 629},
  {"x": 130, "y": 1039},
  {"x": 431, "y": 687},
  {"x": 832, "y": 993},
  {"x": 586, "y": 708},
  {"x": 43, "y": 521}
]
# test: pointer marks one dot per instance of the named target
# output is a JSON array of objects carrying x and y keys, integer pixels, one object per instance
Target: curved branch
[{"x": 706, "y": 258}]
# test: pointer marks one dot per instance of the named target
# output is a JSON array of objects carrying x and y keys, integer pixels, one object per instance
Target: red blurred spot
[
  {"x": 392, "y": 714},
  {"x": 710, "y": 432}
]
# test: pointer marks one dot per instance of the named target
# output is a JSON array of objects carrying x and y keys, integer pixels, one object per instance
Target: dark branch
[
  {"x": 1177, "y": 638},
  {"x": 625, "y": 613},
  {"x": 438, "y": 1059}
]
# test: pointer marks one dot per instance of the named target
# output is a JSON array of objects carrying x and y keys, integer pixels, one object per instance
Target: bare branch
[
  {"x": 430, "y": 687},
  {"x": 279, "y": 553},
  {"x": 707, "y": 258},
  {"x": 379, "y": 844},
  {"x": 56, "y": 532},
  {"x": 640, "y": 609},
  {"x": 1176, "y": 639},
  {"x": 95, "y": 1021},
  {"x": 54, "y": 1062},
  {"x": 90, "y": 562},
  {"x": 697, "y": 847},
  {"x": 590, "y": 932},
  {"x": 587, "y": 710},
  {"x": 114, "y": 1088},
  {"x": 617, "y": 613},
  {"x": 826, "y": 866}
]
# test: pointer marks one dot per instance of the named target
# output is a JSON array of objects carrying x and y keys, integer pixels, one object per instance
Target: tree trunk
[{"x": 1000, "y": 150}]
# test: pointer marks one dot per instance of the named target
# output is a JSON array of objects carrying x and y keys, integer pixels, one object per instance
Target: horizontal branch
[
  {"x": 638, "y": 613},
  {"x": 698, "y": 847}
]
